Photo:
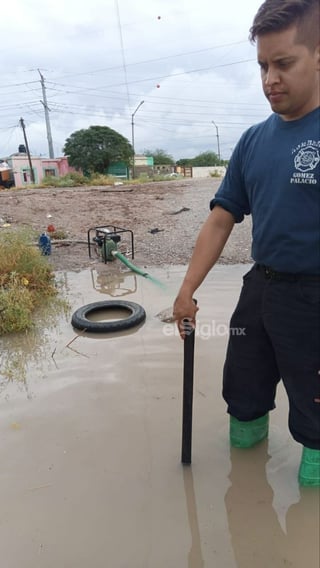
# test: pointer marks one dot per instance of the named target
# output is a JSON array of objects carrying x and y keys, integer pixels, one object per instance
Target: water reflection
[
  {"x": 113, "y": 284},
  {"x": 34, "y": 347},
  {"x": 129, "y": 383},
  {"x": 256, "y": 534},
  {"x": 195, "y": 558}
]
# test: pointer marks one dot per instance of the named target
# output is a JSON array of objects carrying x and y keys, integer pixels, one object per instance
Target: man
[{"x": 274, "y": 176}]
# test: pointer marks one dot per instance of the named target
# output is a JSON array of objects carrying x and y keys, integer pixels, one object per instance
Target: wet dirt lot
[
  {"x": 90, "y": 457},
  {"x": 174, "y": 211}
]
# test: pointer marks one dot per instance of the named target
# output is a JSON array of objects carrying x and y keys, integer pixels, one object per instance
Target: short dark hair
[{"x": 279, "y": 15}]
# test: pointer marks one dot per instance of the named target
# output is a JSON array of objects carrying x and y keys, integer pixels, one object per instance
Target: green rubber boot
[
  {"x": 309, "y": 472},
  {"x": 248, "y": 434}
]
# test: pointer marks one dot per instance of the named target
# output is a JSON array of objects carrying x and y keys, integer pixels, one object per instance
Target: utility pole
[
  {"x": 132, "y": 135},
  {"x": 27, "y": 148},
  {"x": 46, "y": 114},
  {"x": 218, "y": 139}
]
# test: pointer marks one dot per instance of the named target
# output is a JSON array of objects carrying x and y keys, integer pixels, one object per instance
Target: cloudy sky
[{"x": 190, "y": 61}]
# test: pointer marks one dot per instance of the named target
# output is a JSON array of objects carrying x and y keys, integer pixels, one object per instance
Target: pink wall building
[{"x": 42, "y": 167}]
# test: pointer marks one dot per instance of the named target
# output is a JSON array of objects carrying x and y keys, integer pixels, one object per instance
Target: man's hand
[
  {"x": 209, "y": 245},
  {"x": 184, "y": 313}
]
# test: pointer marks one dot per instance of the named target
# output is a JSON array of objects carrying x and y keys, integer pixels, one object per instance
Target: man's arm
[{"x": 209, "y": 245}]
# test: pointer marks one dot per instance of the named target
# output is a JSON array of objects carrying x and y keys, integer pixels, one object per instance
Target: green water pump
[
  {"x": 109, "y": 245},
  {"x": 105, "y": 240}
]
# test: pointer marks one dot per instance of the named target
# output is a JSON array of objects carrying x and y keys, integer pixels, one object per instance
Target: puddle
[{"x": 91, "y": 441}]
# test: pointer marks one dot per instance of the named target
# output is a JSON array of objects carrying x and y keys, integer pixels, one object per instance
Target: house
[
  {"x": 143, "y": 165},
  {"x": 42, "y": 167}
]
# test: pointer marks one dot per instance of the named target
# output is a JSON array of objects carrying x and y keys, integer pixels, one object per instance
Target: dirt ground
[{"x": 165, "y": 218}]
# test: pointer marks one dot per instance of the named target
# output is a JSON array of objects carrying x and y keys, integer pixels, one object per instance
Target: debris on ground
[
  {"x": 180, "y": 211},
  {"x": 155, "y": 231}
]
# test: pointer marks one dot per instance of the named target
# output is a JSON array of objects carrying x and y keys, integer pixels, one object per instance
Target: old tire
[{"x": 136, "y": 315}]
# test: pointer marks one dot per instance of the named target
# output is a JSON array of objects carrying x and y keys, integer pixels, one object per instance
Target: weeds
[
  {"x": 100, "y": 179},
  {"x": 216, "y": 174},
  {"x": 58, "y": 234},
  {"x": 75, "y": 179},
  {"x": 71, "y": 179},
  {"x": 26, "y": 280}
]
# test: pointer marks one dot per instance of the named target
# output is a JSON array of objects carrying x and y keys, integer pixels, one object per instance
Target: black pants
[{"x": 275, "y": 334}]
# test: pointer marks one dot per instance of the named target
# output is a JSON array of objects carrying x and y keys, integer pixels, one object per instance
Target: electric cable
[{"x": 122, "y": 50}]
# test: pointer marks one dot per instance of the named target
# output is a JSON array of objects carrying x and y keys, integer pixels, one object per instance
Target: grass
[
  {"x": 26, "y": 280},
  {"x": 76, "y": 179},
  {"x": 215, "y": 174},
  {"x": 71, "y": 179}
]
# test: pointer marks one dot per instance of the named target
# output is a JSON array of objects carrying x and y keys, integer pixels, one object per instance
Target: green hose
[{"x": 136, "y": 269}]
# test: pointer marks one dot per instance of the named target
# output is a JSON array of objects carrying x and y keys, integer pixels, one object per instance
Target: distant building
[
  {"x": 6, "y": 179},
  {"x": 143, "y": 165},
  {"x": 118, "y": 169},
  {"x": 164, "y": 169},
  {"x": 42, "y": 167}
]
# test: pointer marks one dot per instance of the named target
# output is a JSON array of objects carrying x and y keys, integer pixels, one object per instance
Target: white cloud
[{"x": 188, "y": 66}]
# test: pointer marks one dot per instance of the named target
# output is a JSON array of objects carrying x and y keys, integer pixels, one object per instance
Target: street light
[
  {"x": 218, "y": 139},
  {"x": 132, "y": 130}
]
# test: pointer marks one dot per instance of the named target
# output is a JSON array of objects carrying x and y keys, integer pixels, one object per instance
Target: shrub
[
  {"x": 100, "y": 179},
  {"x": 77, "y": 178},
  {"x": 58, "y": 234},
  {"x": 48, "y": 181},
  {"x": 71, "y": 179},
  {"x": 16, "y": 304},
  {"x": 26, "y": 279}
]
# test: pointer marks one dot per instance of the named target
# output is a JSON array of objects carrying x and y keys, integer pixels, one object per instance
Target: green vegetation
[
  {"x": 160, "y": 157},
  {"x": 93, "y": 149},
  {"x": 33, "y": 346},
  {"x": 71, "y": 179},
  {"x": 204, "y": 159},
  {"x": 58, "y": 234},
  {"x": 26, "y": 280},
  {"x": 74, "y": 179},
  {"x": 100, "y": 179}
]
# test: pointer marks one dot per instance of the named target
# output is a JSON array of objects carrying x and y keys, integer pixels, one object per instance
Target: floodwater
[{"x": 90, "y": 426}]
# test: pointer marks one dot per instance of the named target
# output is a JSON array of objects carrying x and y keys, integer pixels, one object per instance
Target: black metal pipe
[{"x": 188, "y": 366}]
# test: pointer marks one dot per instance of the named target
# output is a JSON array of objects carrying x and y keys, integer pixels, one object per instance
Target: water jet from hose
[{"x": 134, "y": 268}]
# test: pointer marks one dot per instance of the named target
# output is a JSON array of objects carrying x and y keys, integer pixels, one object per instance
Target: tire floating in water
[{"x": 80, "y": 318}]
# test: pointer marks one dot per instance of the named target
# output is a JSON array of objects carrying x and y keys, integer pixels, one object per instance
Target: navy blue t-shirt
[{"x": 274, "y": 175}]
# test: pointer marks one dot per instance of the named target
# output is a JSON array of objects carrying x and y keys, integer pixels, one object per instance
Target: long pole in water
[{"x": 188, "y": 366}]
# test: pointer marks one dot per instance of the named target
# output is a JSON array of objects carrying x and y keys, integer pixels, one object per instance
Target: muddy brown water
[{"x": 90, "y": 471}]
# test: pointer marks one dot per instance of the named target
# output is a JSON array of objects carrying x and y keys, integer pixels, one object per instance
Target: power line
[
  {"x": 154, "y": 60},
  {"x": 180, "y": 112},
  {"x": 122, "y": 50},
  {"x": 18, "y": 105},
  {"x": 8, "y": 127},
  {"x": 6, "y": 145},
  {"x": 184, "y": 72},
  {"x": 157, "y": 78},
  {"x": 17, "y": 84},
  {"x": 152, "y": 99}
]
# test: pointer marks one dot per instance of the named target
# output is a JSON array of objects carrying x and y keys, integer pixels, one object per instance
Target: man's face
[{"x": 290, "y": 74}]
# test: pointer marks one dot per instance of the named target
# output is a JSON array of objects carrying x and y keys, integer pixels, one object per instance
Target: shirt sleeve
[{"x": 232, "y": 194}]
